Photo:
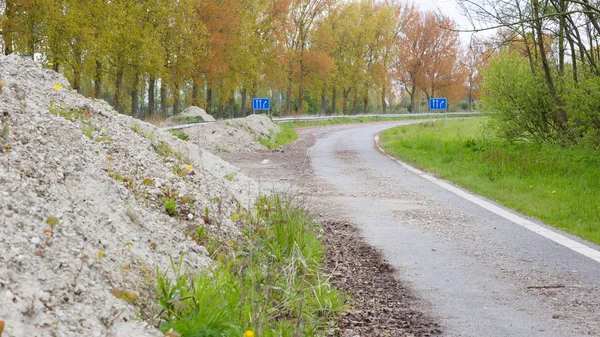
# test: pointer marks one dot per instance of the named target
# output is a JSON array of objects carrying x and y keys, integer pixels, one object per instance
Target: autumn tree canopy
[{"x": 156, "y": 57}]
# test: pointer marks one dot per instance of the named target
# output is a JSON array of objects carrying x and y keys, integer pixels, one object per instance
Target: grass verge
[
  {"x": 286, "y": 136},
  {"x": 269, "y": 283},
  {"x": 560, "y": 186}
]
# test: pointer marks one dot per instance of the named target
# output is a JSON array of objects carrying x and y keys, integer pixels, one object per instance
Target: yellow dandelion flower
[
  {"x": 50, "y": 64},
  {"x": 530, "y": 186},
  {"x": 248, "y": 333},
  {"x": 553, "y": 192},
  {"x": 57, "y": 86},
  {"x": 189, "y": 168}
]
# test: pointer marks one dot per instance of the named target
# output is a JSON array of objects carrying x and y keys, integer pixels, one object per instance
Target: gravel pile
[
  {"x": 83, "y": 221},
  {"x": 190, "y": 115},
  {"x": 234, "y": 135}
]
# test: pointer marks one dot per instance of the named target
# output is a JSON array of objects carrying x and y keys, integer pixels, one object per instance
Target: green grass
[
  {"x": 348, "y": 120},
  {"x": 560, "y": 186},
  {"x": 269, "y": 281},
  {"x": 179, "y": 134},
  {"x": 286, "y": 136}
]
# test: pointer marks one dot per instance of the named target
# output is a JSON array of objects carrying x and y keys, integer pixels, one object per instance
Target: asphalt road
[{"x": 477, "y": 272}]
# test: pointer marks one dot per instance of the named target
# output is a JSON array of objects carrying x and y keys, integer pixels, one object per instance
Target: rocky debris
[
  {"x": 191, "y": 114},
  {"x": 92, "y": 203},
  {"x": 234, "y": 135},
  {"x": 383, "y": 306}
]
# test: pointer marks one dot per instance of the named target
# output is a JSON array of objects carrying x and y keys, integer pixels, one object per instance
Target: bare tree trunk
[
  {"x": 151, "y": 99},
  {"x": 243, "y": 107},
  {"x": 288, "y": 100},
  {"x": 209, "y": 99},
  {"x": 195, "y": 90},
  {"x": 220, "y": 111},
  {"x": 118, "y": 89},
  {"x": 232, "y": 108},
  {"x": 542, "y": 48},
  {"x": 561, "y": 38},
  {"x": 163, "y": 99},
  {"x": 176, "y": 99},
  {"x": 7, "y": 27},
  {"x": 345, "y": 94},
  {"x": 333, "y": 102},
  {"x": 135, "y": 96},
  {"x": 383, "y": 102},
  {"x": 301, "y": 88},
  {"x": 76, "y": 70},
  {"x": 573, "y": 58},
  {"x": 365, "y": 104},
  {"x": 98, "y": 81},
  {"x": 323, "y": 103},
  {"x": 413, "y": 100}
]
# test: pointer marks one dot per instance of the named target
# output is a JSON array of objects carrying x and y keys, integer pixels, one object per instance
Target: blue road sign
[
  {"x": 438, "y": 104},
  {"x": 261, "y": 104}
]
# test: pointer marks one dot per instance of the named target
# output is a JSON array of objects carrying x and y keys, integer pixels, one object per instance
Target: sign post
[
  {"x": 439, "y": 104},
  {"x": 261, "y": 104}
]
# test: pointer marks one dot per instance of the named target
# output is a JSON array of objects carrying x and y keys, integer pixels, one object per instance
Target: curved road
[
  {"x": 473, "y": 267},
  {"x": 478, "y": 273}
]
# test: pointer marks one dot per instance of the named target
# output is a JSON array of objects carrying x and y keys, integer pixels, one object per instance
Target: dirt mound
[
  {"x": 234, "y": 135},
  {"x": 84, "y": 200}
]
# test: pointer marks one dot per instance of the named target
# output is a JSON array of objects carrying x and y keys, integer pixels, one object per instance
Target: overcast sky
[{"x": 449, "y": 8}]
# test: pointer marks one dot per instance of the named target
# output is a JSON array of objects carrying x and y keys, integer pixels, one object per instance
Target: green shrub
[
  {"x": 582, "y": 101},
  {"x": 518, "y": 100}
]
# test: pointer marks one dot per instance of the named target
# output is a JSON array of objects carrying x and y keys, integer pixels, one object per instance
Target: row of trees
[
  {"x": 544, "y": 82},
  {"x": 151, "y": 57}
]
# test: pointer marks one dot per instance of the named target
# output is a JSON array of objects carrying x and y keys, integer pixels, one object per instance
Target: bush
[
  {"x": 582, "y": 101},
  {"x": 518, "y": 100}
]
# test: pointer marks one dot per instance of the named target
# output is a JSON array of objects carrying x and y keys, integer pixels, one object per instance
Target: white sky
[{"x": 451, "y": 9}]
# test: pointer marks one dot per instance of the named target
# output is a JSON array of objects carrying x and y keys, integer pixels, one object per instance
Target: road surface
[{"x": 478, "y": 273}]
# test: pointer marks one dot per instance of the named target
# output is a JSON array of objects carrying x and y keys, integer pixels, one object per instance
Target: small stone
[
  {"x": 190, "y": 216},
  {"x": 9, "y": 295},
  {"x": 35, "y": 240},
  {"x": 154, "y": 191}
]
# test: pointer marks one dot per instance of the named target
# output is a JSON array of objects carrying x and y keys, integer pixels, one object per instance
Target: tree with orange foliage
[
  {"x": 222, "y": 21},
  {"x": 429, "y": 58},
  {"x": 391, "y": 19},
  {"x": 302, "y": 16}
]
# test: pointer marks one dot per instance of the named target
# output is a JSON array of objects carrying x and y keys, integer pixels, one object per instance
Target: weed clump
[
  {"x": 179, "y": 134},
  {"x": 5, "y": 131},
  {"x": 170, "y": 206},
  {"x": 163, "y": 149},
  {"x": 269, "y": 283}
]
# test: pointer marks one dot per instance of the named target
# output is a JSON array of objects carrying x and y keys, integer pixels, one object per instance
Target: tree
[{"x": 301, "y": 18}]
